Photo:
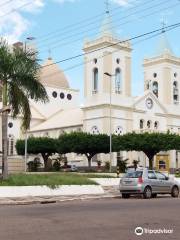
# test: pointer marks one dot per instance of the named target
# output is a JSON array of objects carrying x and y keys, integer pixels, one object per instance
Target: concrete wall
[{"x": 15, "y": 164}]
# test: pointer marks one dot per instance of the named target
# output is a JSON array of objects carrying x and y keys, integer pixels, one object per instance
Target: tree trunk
[
  {"x": 4, "y": 135},
  {"x": 89, "y": 161},
  {"x": 151, "y": 163},
  {"x": 45, "y": 158}
]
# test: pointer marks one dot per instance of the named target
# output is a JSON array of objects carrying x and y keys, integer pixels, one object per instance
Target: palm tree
[{"x": 19, "y": 78}]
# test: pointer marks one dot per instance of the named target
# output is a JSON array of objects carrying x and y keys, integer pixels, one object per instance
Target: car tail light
[{"x": 140, "y": 180}]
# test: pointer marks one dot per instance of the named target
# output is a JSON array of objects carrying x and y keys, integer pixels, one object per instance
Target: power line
[
  {"x": 15, "y": 9},
  {"x": 114, "y": 44},
  {"x": 123, "y": 23},
  {"x": 99, "y": 16},
  {"x": 137, "y": 42}
]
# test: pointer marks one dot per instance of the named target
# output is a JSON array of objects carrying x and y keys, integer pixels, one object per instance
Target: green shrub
[
  {"x": 107, "y": 165},
  {"x": 57, "y": 165},
  {"x": 34, "y": 165}
]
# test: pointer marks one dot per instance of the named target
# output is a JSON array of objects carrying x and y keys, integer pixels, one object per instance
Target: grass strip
[{"x": 51, "y": 180}]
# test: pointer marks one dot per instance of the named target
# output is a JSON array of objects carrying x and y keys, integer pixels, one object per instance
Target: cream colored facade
[{"x": 157, "y": 109}]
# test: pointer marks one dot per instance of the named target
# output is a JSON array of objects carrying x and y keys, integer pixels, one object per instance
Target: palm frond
[
  {"x": 26, "y": 74},
  {"x": 19, "y": 104}
]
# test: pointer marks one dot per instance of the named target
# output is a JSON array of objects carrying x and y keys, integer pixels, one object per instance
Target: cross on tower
[
  {"x": 49, "y": 53},
  {"x": 163, "y": 22},
  {"x": 107, "y": 6}
]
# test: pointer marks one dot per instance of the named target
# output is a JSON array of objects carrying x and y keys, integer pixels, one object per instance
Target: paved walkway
[{"x": 110, "y": 191}]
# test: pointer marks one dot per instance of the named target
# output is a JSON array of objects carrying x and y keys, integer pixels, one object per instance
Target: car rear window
[{"x": 134, "y": 174}]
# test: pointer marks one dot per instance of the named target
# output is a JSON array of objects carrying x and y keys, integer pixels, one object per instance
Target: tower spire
[
  {"x": 106, "y": 27},
  {"x": 163, "y": 22},
  {"x": 163, "y": 46},
  {"x": 49, "y": 54},
  {"x": 107, "y": 6}
]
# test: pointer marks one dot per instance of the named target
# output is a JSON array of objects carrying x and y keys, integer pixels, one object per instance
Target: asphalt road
[{"x": 91, "y": 220}]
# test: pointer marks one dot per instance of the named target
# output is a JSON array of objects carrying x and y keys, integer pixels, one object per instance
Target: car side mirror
[{"x": 167, "y": 178}]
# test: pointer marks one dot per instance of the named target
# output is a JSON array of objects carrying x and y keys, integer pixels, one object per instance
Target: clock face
[{"x": 149, "y": 103}]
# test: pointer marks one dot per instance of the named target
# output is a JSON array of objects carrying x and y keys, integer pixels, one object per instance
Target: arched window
[
  {"x": 141, "y": 124},
  {"x": 148, "y": 124},
  {"x": 10, "y": 145},
  {"x": 156, "y": 124},
  {"x": 175, "y": 92},
  {"x": 117, "y": 80},
  {"x": 147, "y": 85},
  {"x": 95, "y": 80},
  {"x": 155, "y": 88}
]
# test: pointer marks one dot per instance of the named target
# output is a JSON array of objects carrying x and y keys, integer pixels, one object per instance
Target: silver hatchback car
[{"x": 148, "y": 183}]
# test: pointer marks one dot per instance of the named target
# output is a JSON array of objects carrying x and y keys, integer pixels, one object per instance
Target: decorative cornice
[
  {"x": 165, "y": 58},
  {"x": 106, "y": 41},
  {"x": 106, "y": 105},
  {"x": 52, "y": 129}
]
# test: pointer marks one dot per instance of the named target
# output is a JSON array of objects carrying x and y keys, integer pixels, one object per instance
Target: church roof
[
  {"x": 52, "y": 76},
  {"x": 61, "y": 119}
]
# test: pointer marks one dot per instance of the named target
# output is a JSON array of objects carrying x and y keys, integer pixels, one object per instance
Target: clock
[{"x": 149, "y": 103}]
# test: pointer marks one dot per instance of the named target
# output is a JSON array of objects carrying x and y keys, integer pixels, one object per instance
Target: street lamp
[
  {"x": 110, "y": 129},
  {"x": 26, "y": 134}
]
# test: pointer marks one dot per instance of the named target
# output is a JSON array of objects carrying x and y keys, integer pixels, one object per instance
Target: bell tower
[
  {"x": 109, "y": 54},
  {"x": 105, "y": 94},
  {"x": 162, "y": 72}
]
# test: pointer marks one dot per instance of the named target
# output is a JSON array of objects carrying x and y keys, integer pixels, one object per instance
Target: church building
[{"x": 108, "y": 104}]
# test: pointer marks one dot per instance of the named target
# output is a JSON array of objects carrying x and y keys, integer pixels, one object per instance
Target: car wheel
[
  {"x": 147, "y": 193},
  {"x": 125, "y": 195},
  {"x": 175, "y": 192},
  {"x": 154, "y": 195}
]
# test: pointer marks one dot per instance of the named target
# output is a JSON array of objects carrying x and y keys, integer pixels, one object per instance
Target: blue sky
[{"x": 61, "y": 26}]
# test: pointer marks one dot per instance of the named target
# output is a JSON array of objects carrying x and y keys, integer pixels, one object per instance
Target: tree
[
  {"x": 19, "y": 76},
  {"x": 40, "y": 145},
  {"x": 83, "y": 143},
  {"x": 122, "y": 164},
  {"x": 149, "y": 143}
]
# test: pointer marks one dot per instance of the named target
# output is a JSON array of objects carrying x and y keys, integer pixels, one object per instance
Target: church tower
[
  {"x": 106, "y": 54},
  {"x": 162, "y": 73}
]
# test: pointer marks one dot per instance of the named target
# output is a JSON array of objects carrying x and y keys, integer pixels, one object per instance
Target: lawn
[
  {"x": 51, "y": 180},
  {"x": 93, "y": 175}
]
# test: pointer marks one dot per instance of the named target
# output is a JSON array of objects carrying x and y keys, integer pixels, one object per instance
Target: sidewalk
[{"x": 109, "y": 192}]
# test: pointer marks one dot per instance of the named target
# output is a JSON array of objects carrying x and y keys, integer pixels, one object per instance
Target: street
[{"x": 91, "y": 219}]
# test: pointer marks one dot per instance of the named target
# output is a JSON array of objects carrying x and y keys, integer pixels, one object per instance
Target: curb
[{"x": 50, "y": 201}]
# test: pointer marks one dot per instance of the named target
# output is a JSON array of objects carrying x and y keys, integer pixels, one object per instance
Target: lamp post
[
  {"x": 110, "y": 118},
  {"x": 26, "y": 134}
]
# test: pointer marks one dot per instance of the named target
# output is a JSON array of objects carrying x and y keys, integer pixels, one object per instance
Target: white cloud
[
  {"x": 123, "y": 3},
  {"x": 12, "y": 22},
  {"x": 64, "y": 1}
]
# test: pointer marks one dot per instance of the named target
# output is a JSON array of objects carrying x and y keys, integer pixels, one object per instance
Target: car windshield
[{"x": 134, "y": 174}]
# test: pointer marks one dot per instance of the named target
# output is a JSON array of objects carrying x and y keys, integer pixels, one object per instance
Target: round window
[
  {"x": 54, "y": 94},
  {"x": 94, "y": 130},
  {"x": 62, "y": 95},
  {"x": 119, "y": 130},
  {"x": 95, "y": 60},
  {"x": 69, "y": 96},
  {"x": 10, "y": 124}
]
